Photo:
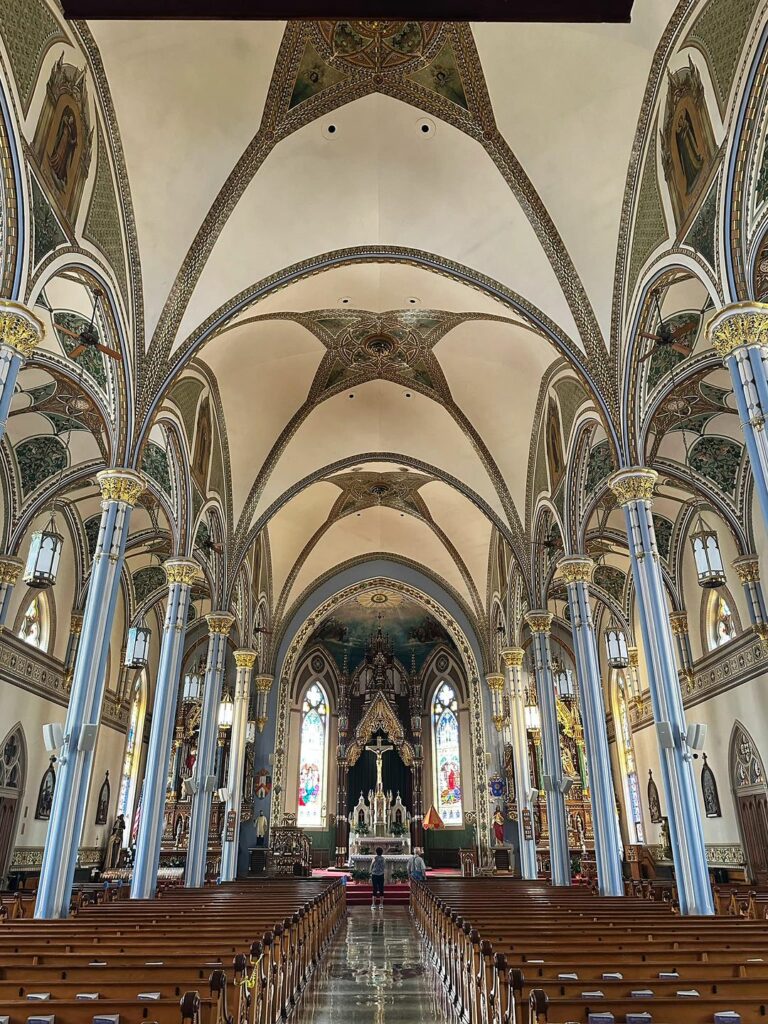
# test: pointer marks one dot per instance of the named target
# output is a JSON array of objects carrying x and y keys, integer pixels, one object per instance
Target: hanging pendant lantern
[
  {"x": 44, "y": 555},
  {"x": 616, "y": 647},
  {"x": 193, "y": 685},
  {"x": 137, "y": 647},
  {"x": 226, "y": 711},
  {"x": 532, "y": 713},
  {"x": 563, "y": 679},
  {"x": 706, "y": 552}
]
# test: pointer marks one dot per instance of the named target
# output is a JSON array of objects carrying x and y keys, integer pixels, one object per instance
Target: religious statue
[
  {"x": 114, "y": 844},
  {"x": 65, "y": 143},
  {"x": 498, "y": 826},
  {"x": 378, "y": 798},
  {"x": 262, "y": 824}
]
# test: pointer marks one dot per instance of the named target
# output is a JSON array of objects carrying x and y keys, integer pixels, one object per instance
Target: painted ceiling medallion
[
  {"x": 379, "y": 599},
  {"x": 365, "y": 488},
  {"x": 376, "y": 45}
]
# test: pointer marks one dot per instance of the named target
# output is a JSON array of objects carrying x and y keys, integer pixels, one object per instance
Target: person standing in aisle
[{"x": 377, "y": 879}]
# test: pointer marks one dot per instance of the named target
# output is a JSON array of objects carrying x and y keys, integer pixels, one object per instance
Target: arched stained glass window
[
  {"x": 312, "y": 758},
  {"x": 445, "y": 738},
  {"x": 627, "y": 761},
  {"x": 722, "y": 627},
  {"x": 35, "y": 625},
  {"x": 126, "y": 801}
]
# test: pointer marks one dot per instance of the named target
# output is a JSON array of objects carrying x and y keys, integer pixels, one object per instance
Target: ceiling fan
[
  {"x": 88, "y": 337},
  {"x": 211, "y": 546},
  {"x": 666, "y": 336}
]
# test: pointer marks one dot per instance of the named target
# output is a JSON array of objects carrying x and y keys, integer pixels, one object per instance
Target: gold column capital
[
  {"x": 263, "y": 683},
  {"x": 10, "y": 569},
  {"x": 76, "y": 624},
  {"x": 741, "y": 323},
  {"x": 747, "y": 568},
  {"x": 633, "y": 657},
  {"x": 576, "y": 568},
  {"x": 220, "y": 622},
  {"x": 124, "y": 485},
  {"x": 19, "y": 327},
  {"x": 245, "y": 657},
  {"x": 512, "y": 656},
  {"x": 495, "y": 681},
  {"x": 181, "y": 570},
  {"x": 539, "y": 620},
  {"x": 635, "y": 483},
  {"x": 679, "y": 623}
]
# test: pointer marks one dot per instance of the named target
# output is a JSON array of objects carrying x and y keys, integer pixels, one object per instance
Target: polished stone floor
[{"x": 374, "y": 973}]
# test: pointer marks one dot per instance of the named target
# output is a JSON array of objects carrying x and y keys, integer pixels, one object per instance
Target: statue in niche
[
  {"x": 687, "y": 143},
  {"x": 654, "y": 804},
  {"x": 498, "y": 826}
]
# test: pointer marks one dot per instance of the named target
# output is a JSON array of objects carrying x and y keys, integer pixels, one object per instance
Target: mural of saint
[
  {"x": 201, "y": 456},
  {"x": 64, "y": 145},
  {"x": 102, "y": 807},
  {"x": 654, "y": 804},
  {"x": 691, "y": 159},
  {"x": 45, "y": 794},
  {"x": 555, "y": 458}
]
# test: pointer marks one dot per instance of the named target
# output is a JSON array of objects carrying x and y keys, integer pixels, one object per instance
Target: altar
[
  {"x": 392, "y": 862},
  {"x": 380, "y": 821}
]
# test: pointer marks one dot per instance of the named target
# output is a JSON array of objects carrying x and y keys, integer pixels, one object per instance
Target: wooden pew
[
  {"x": 245, "y": 949},
  {"x": 507, "y": 951}
]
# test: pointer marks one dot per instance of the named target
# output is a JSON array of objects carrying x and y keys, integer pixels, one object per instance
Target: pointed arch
[
  {"x": 313, "y": 758},
  {"x": 13, "y": 779}
]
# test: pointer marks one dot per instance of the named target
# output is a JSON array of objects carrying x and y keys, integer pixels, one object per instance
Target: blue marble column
[
  {"x": 739, "y": 333},
  {"x": 577, "y": 571},
  {"x": 748, "y": 570},
  {"x": 633, "y": 489},
  {"x": 120, "y": 488},
  {"x": 245, "y": 660},
  {"x": 678, "y": 623},
  {"x": 10, "y": 570},
  {"x": 540, "y": 623},
  {"x": 20, "y": 334},
  {"x": 513, "y": 661},
  {"x": 180, "y": 573},
  {"x": 219, "y": 625}
]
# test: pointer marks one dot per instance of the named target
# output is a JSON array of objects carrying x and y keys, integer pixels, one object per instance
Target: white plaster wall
[
  {"x": 34, "y": 712},
  {"x": 745, "y": 703}
]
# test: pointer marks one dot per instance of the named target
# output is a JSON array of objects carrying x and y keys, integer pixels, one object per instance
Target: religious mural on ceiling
[{"x": 412, "y": 631}]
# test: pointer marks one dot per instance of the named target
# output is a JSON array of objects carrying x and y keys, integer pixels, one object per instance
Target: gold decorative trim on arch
[{"x": 380, "y": 715}]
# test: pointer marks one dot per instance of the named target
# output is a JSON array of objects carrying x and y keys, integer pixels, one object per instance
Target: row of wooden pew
[
  {"x": 511, "y": 952},
  {"x": 192, "y": 956}
]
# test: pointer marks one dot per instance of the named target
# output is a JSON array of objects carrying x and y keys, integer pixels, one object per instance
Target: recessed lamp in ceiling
[
  {"x": 412, "y": 300},
  {"x": 425, "y": 127},
  {"x": 351, "y": 394},
  {"x": 330, "y": 130},
  {"x": 345, "y": 300},
  {"x": 407, "y": 394}
]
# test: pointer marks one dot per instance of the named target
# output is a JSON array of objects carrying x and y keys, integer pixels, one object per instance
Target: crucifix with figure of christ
[{"x": 379, "y": 750}]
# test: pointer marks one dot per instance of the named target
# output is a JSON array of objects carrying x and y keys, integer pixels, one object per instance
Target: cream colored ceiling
[{"x": 189, "y": 98}]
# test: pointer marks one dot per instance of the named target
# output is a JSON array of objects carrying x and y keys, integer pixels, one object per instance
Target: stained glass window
[
  {"x": 445, "y": 725},
  {"x": 628, "y": 763},
  {"x": 314, "y": 743},
  {"x": 34, "y": 626},
  {"x": 129, "y": 778},
  {"x": 722, "y": 627}
]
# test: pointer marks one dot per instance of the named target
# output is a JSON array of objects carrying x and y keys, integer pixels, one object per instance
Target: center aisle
[{"x": 376, "y": 972}]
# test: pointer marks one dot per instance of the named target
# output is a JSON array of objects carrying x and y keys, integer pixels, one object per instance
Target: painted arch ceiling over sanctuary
[{"x": 381, "y": 289}]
